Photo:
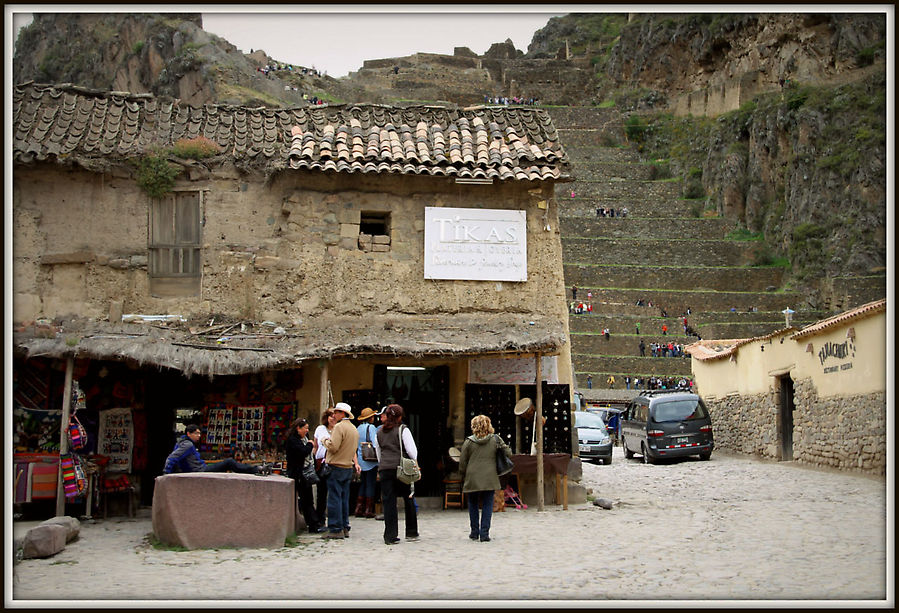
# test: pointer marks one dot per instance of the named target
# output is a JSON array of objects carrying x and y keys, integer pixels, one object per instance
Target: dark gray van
[{"x": 661, "y": 424}]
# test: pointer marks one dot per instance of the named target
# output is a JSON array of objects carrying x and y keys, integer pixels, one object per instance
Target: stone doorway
[{"x": 785, "y": 408}]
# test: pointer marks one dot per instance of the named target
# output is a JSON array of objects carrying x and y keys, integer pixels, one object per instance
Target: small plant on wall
[
  {"x": 155, "y": 175},
  {"x": 195, "y": 148}
]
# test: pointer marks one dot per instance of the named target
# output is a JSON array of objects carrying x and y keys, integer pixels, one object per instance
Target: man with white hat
[{"x": 341, "y": 456}]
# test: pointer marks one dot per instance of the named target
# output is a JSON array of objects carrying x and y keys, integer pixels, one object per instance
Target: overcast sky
[{"x": 339, "y": 38}]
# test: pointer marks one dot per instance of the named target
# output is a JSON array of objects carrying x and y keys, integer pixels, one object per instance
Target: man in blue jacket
[{"x": 186, "y": 459}]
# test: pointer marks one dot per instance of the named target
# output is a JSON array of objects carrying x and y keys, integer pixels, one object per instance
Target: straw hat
[
  {"x": 366, "y": 413},
  {"x": 523, "y": 406},
  {"x": 342, "y": 406}
]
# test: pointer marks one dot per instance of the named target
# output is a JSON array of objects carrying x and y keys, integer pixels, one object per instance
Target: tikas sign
[{"x": 475, "y": 244}]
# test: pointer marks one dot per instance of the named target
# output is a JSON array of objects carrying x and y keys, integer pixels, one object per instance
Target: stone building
[
  {"x": 816, "y": 395},
  {"x": 354, "y": 252}
]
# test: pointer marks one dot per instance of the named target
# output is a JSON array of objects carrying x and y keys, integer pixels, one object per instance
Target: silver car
[{"x": 593, "y": 439}]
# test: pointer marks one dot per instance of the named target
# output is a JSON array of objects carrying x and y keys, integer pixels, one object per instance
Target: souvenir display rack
[
  {"x": 252, "y": 430},
  {"x": 498, "y": 403}
]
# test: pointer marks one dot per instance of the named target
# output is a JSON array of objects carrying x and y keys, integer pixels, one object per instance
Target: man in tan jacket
[{"x": 341, "y": 457}]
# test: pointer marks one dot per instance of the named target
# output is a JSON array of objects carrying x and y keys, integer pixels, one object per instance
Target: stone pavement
[{"x": 731, "y": 529}]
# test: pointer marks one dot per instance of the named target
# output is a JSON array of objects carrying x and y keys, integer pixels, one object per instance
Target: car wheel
[
  {"x": 705, "y": 455},
  {"x": 627, "y": 452},
  {"x": 607, "y": 461},
  {"x": 646, "y": 458}
]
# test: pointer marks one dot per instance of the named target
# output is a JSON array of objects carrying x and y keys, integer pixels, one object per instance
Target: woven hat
[
  {"x": 523, "y": 406},
  {"x": 342, "y": 406},
  {"x": 366, "y": 413},
  {"x": 454, "y": 454}
]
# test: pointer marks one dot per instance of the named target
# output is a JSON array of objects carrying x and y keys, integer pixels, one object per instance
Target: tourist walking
[
  {"x": 393, "y": 439},
  {"x": 477, "y": 463},
  {"x": 341, "y": 457}
]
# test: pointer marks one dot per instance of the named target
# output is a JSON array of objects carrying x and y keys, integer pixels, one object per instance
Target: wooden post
[
  {"x": 64, "y": 436},
  {"x": 517, "y": 422},
  {"x": 538, "y": 424},
  {"x": 323, "y": 389}
]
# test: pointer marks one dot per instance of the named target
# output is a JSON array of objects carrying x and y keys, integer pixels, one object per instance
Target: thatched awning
[{"x": 258, "y": 348}]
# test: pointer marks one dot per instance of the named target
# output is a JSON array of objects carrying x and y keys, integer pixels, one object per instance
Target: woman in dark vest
[
  {"x": 299, "y": 452},
  {"x": 388, "y": 448}
]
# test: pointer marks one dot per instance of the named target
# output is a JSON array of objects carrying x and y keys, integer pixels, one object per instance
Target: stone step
[
  {"x": 625, "y": 191},
  {"x": 630, "y": 226},
  {"x": 618, "y": 391},
  {"x": 582, "y": 117},
  {"x": 611, "y": 300},
  {"x": 608, "y": 136},
  {"x": 675, "y": 277},
  {"x": 624, "y": 319},
  {"x": 581, "y": 208},
  {"x": 604, "y": 171},
  {"x": 622, "y": 344},
  {"x": 579, "y": 250},
  {"x": 598, "y": 153},
  {"x": 632, "y": 365}
]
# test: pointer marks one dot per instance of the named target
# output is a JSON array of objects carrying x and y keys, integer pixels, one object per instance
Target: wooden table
[{"x": 555, "y": 464}]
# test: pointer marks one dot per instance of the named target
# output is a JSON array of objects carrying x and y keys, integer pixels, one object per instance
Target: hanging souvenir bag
[
  {"x": 369, "y": 454},
  {"x": 408, "y": 471},
  {"x": 504, "y": 464},
  {"x": 309, "y": 473},
  {"x": 77, "y": 434},
  {"x": 69, "y": 475}
]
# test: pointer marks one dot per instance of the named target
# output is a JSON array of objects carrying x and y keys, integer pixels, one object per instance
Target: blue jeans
[
  {"x": 367, "y": 485},
  {"x": 482, "y": 528},
  {"x": 339, "y": 498}
]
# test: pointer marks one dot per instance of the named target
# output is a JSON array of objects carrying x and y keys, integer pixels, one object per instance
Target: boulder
[
  {"x": 209, "y": 510},
  {"x": 72, "y": 525},
  {"x": 44, "y": 540}
]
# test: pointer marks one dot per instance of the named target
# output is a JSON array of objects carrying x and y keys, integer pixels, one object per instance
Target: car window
[
  {"x": 679, "y": 410},
  {"x": 583, "y": 419}
]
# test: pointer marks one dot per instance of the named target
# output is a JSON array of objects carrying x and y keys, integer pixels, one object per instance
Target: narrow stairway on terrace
[{"x": 646, "y": 269}]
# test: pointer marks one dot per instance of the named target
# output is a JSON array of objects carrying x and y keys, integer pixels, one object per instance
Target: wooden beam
[{"x": 64, "y": 436}]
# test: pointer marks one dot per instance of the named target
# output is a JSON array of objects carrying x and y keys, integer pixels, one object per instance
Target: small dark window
[{"x": 375, "y": 223}]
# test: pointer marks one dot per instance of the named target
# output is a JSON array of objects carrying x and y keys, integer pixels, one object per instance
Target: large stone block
[
  {"x": 207, "y": 510},
  {"x": 72, "y": 526},
  {"x": 44, "y": 541}
]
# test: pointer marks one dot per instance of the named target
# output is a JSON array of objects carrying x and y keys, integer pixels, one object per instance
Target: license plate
[
  {"x": 583, "y": 447},
  {"x": 682, "y": 440}
]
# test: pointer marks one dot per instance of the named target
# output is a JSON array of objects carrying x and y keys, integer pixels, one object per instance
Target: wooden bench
[{"x": 209, "y": 510}]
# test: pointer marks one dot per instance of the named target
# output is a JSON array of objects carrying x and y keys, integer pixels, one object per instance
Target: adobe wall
[
  {"x": 718, "y": 98},
  {"x": 275, "y": 251},
  {"x": 845, "y": 433}
]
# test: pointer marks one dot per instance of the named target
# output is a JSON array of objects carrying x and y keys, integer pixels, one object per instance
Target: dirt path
[{"x": 729, "y": 529}]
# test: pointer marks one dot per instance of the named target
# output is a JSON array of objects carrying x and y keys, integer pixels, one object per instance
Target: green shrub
[
  {"x": 635, "y": 128},
  {"x": 195, "y": 148},
  {"x": 137, "y": 47},
  {"x": 155, "y": 175}
]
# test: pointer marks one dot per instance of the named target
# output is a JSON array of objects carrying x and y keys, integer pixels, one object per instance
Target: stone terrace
[{"x": 661, "y": 253}]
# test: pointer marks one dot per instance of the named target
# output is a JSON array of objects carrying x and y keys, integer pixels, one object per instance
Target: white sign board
[
  {"x": 522, "y": 371},
  {"x": 475, "y": 244}
]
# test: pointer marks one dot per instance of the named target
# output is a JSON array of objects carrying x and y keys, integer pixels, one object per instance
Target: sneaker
[
  {"x": 333, "y": 535},
  {"x": 346, "y": 533},
  {"x": 473, "y": 536},
  {"x": 318, "y": 530},
  {"x": 413, "y": 537},
  {"x": 392, "y": 541},
  {"x": 485, "y": 539}
]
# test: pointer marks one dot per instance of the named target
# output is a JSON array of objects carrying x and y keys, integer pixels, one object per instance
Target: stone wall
[
  {"x": 844, "y": 432},
  {"x": 277, "y": 250}
]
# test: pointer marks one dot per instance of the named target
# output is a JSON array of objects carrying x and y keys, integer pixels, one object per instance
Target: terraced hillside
[{"x": 660, "y": 253}]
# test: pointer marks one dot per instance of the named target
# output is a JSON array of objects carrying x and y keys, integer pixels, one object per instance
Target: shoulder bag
[
  {"x": 408, "y": 470},
  {"x": 504, "y": 464},
  {"x": 369, "y": 454},
  {"x": 309, "y": 474}
]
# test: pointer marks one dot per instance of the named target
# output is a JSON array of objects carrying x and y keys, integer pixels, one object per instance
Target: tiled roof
[
  {"x": 866, "y": 310},
  {"x": 714, "y": 349},
  {"x": 66, "y": 123}
]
